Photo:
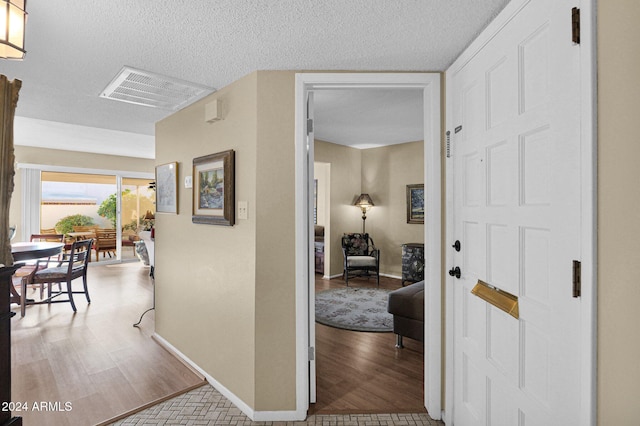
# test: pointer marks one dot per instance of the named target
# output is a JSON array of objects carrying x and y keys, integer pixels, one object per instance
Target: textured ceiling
[
  {"x": 75, "y": 47},
  {"x": 369, "y": 118}
]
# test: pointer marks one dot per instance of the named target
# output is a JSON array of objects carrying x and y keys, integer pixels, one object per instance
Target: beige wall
[
  {"x": 227, "y": 301},
  {"x": 322, "y": 173},
  {"x": 618, "y": 207},
  {"x": 386, "y": 172},
  {"x": 74, "y": 159},
  {"x": 383, "y": 173},
  {"x": 275, "y": 244},
  {"x": 346, "y": 178}
]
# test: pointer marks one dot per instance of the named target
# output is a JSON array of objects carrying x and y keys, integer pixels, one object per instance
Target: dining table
[
  {"x": 35, "y": 250},
  {"x": 24, "y": 251},
  {"x": 21, "y": 252},
  {"x": 81, "y": 235}
]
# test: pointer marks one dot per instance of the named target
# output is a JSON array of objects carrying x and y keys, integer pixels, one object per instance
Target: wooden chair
[
  {"x": 29, "y": 269},
  {"x": 82, "y": 228},
  {"x": 47, "y": 236},
  {"x": 361, "y": 257},
  {"x": 89, "y": 229},
  {"x": 129, "y": 239},
  {"x": 105, "y": 242},
  {"x": 72, "y": 266}
]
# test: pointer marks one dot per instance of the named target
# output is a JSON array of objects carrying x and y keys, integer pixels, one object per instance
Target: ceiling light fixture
[{"x": 12, "y": 26}]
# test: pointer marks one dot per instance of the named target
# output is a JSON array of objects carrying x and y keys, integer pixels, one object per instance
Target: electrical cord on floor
[{"x": 154, "y": 299}]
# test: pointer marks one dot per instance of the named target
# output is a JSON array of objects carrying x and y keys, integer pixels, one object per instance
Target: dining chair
[
  {"x": 29, "y": 268},
  {"x": 72, "y": 266},
  {"x": 53, "y": 231},
  {"x": 105, "y": 242}
]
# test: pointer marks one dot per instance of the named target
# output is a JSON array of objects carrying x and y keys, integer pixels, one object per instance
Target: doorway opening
[
  {"x": 306, "y": 85},
  {"x": 369, "y": 141}
]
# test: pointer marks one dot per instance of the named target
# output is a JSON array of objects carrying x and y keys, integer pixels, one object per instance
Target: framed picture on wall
[
  {"x": 415, "y": 203},
  {"x": 214, "y": 189},
  {"x": 167, "y": 188}
]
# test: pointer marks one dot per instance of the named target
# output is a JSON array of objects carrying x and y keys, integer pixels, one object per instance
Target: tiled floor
[{"x": 206, "y": 406}]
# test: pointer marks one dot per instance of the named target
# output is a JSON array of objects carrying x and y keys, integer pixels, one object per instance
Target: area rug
[{"x": 358, "y": 309}]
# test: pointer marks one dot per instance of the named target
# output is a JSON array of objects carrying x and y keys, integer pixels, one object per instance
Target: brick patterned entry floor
[{"x": 206, "y": 406}]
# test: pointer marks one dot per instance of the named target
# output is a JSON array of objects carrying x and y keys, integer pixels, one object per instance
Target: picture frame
[
  {"x": 415, "y": 203},
  {"x": 167, "y": 188},
  {"x": 214, "y": 189}
]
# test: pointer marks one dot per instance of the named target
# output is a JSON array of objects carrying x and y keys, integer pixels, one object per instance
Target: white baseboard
[
  {"x": 258, "y": 416},
  {"x": 391, "y": 276}
]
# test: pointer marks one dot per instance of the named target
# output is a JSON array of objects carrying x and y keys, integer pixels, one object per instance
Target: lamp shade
[
  {"x": 13, "y": 17},
  {"x": 364, "y": 201}
]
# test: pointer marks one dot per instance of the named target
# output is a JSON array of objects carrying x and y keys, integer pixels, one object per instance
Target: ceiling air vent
[{"x": 154, "y": 90}]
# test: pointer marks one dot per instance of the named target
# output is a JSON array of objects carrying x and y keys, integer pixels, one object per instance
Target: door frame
[
  {"x": 588, "y": 338},
  {"x": 430, "y": 83}
]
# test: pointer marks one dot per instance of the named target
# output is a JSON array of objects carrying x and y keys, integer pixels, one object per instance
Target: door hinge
[
  {"x": 448, "y": 143},
  {"x": 577, "y": 278},
  {"x": 312, "y": 353},
  {"x": 575, "y": 25},
  {"x": 309, "y": 125}
]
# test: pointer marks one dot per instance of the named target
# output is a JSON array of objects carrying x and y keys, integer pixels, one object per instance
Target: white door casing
[
  {"x": 305, "y": 316},
  {"x": 310, "y": 250},
  {"x": 518, "y": 175}
]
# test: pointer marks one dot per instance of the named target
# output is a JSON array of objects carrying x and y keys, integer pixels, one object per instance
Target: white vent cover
[{"x": 154, "y": 90}]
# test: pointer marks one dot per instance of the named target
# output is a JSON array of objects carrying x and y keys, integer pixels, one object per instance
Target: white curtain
[{"x": 31, "y": 197}]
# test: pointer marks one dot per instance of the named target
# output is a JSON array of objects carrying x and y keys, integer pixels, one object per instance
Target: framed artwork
[
  {"x": 167, "y": 188},
  {"x": 213, "y": 189},
  {"x": 415, "y": 203}
]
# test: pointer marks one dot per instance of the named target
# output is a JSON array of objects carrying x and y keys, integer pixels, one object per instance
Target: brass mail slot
[{"x": 498, "y": 298}]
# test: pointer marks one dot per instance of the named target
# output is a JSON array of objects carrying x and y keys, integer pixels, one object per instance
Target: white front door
[{"x": 517, "y": 213}]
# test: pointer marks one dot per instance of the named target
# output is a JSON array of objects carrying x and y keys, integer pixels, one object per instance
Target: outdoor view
[{"x": 82, "y": 200}]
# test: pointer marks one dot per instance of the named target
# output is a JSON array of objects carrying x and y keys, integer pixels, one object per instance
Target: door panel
[{"x": 516, "y": 210}]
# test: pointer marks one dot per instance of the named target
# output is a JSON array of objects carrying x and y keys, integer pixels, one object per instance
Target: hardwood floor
[
  {"x": 94, "y": 365},
  {"x": 360, "y": 372},
  {"x": 103, "y": 366}
]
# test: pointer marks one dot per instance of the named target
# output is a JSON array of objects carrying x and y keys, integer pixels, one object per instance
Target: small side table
[{"x": 412, "y": 262}]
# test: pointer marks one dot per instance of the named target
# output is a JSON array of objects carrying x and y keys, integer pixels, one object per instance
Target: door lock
[{"x": 455, "y": 272}]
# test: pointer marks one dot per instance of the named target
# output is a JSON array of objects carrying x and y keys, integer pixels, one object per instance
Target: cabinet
[{"x": 412, "y": 262}]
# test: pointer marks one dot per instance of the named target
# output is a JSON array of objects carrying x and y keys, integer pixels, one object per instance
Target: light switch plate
[
  {"x": 242, "y": 210},
  {"x": 188, "y": 181}
]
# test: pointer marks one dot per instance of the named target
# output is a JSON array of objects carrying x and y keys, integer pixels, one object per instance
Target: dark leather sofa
[{"x": 407, "y": 307}]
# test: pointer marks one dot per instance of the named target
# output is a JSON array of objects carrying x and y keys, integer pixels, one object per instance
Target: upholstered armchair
[{"x": 361, "y": 257}]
